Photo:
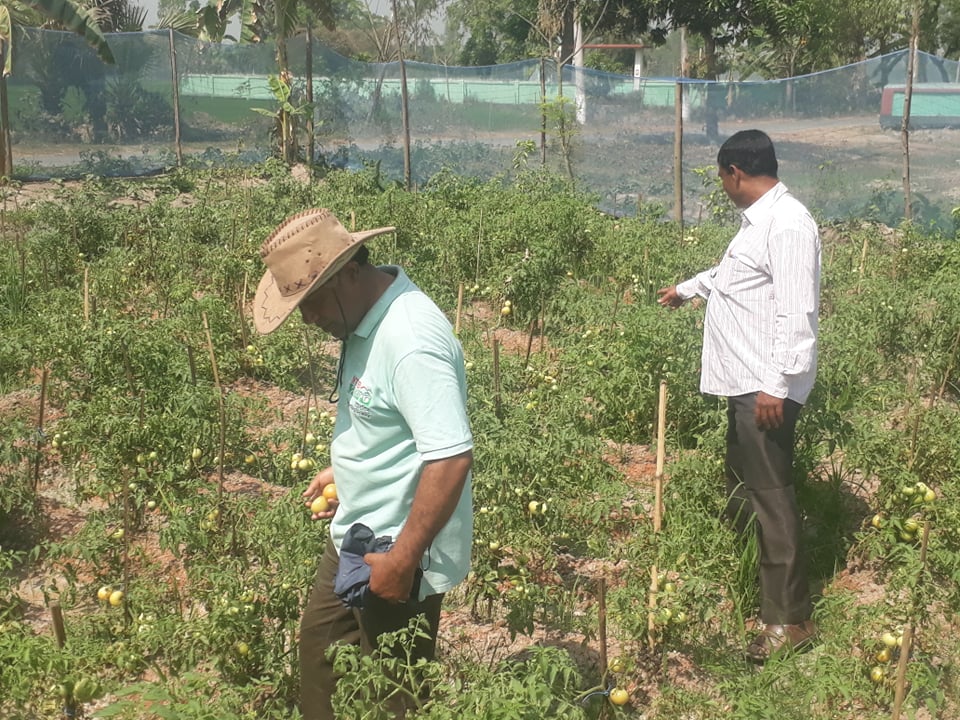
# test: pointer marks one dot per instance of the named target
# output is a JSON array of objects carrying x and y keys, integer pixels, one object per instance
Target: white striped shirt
[{"x": 760, "y": 331}]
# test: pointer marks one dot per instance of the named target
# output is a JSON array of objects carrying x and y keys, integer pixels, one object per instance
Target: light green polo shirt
[{"x": 403, "y": 398}]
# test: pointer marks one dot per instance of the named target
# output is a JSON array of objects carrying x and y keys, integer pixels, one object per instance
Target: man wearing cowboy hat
[{"x": 402, "y": 448}]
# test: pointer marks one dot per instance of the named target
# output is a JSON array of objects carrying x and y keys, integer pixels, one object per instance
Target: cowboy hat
[{"x": 305, "y": 251}]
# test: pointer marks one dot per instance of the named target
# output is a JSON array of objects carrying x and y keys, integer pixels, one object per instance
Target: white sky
[{"x": 379, "y": 7}]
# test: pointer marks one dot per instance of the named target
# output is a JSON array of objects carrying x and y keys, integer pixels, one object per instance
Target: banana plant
[
  {"x": 279, "y": 20},
  {"x": 286, "y": 114},
  {"x": 64, "y": 12}
]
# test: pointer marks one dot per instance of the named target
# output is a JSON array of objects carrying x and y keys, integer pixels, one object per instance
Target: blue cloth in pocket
[{"x": 352, "y": 583}]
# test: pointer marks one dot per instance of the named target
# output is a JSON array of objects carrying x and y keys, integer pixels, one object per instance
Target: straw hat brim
[{"x": 271, "y": 308}]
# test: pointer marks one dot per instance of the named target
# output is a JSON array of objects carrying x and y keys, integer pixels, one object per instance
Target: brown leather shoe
[{"x": 775, "y": 639}]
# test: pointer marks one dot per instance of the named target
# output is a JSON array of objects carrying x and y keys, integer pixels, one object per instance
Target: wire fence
[{"x": 173, "y": 99}]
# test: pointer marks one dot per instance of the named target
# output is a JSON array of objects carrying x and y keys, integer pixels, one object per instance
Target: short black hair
[
  {"x": 751, "y": 151},
  {"x": 362, "y": 255}
]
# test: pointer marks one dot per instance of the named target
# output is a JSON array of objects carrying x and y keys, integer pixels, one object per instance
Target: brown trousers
[
  {"x": 326, "y": 621},
  {"x": 759, "y": 468}
]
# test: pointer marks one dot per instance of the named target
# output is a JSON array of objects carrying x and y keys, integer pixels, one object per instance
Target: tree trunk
[
  {"x": 288, "y": 150},
  {"x": 404, "y": 102},
  {"x": 907, "y": 97},
  {"x": 6, "y": 149},
  {"x": 311, "y": 141},
  {"x": 711, "y": 116}
]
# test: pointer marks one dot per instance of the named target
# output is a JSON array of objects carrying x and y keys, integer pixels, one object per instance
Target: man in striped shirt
[{"x": 760, "y": 352}]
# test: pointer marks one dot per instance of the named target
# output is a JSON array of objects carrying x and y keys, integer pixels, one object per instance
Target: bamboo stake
[
  {"x": 128, "y": 369},
  {"x": 86, "y": 295},
  {"x": 657, "y": 508},
  {"x": 59, "y": 629},
  {"x": 60, "y": 632},
  {"x": 543, "y": 323},
  {"x": 221, "y": 411},
  {"x": 245, "y": 338},
  {"x": 651, "y": 606},
  {"x": 907, "y": 100},
  {"x": 176, "y": 101},
  {"x": 906, "y": 646},
  {"x": 946, "y": 373},
  {"x": 476, "y": 274},
  {"x": 40, "y": 417},
  {"x": 616, "y": 307},
  {"x": 496, "y": 377},
  {"x": 533, "y": 327},
  {"x": 543, "y": 112},
  {"x": 661, "y": 452},
  {"x": 863, "y": 262},
  {"x": 456, "y": 325},
  {"x": 125, "y": 546},
  {"x": 311, "y": 131},
  {"x": 404, "y": 100},
  {"x": 602, "y": 624},
  {"x": 193, "y": 365}
]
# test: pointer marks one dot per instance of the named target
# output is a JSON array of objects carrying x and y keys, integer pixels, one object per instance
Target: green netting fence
[{"x": 836, "y": 132}]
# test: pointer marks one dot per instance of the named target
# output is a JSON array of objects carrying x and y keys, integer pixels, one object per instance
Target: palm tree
[{"x": 66, "y": 13}]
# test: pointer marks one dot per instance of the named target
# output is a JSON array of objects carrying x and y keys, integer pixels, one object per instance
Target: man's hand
[
  {"x": 389, "y": 580},
  {"x": 315, "y": 490},
  {"x": 769, "y": 411},
  {"x": 669, "y": 297}
]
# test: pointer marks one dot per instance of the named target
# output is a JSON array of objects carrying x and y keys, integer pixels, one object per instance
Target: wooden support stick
[
  {"x": 40, "y": 418},
  {"x": 86, "y": 295},
  {"x": 661, "y": 453},
  {"x": 220, "y": 407},
  {"x": 533, "y": 328},
  {"x": 863, "y": 262},
  {"x": 651, "y": 607},
  {"x": 657, "y": 508},
  {"x": 602, "y": 624},
  {"x": 900, "y": 685},
  {"x": 456, "y": 325},
  {"x": 59, "y": 629},
  {"x": 243, "y": 319},
  {"x": 543, "y": 322},
  {"x": 193, "y": 365},
  {"x": 496, "y": 377}
]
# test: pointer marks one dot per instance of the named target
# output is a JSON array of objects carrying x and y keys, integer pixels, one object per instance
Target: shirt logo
[{"x": 359, "y": 392}]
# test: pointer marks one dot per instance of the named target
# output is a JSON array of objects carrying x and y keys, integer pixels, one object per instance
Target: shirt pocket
[{"x": 739, "y": 274}]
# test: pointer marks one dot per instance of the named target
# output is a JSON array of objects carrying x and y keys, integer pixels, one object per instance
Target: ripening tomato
[
  {"x": 330, "y": 491},
  {"x": 619, "y": 696},
  {"x": 877, "y": 674},
  {"x": 319, "y": 505}
]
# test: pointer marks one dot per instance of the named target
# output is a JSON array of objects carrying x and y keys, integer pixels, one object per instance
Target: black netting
[{"x": 836, "y": 132}]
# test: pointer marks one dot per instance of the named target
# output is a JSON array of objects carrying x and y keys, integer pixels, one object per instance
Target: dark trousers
[
  {"x": 326, "y": 621},
  {"x": 760, "y": 488}
]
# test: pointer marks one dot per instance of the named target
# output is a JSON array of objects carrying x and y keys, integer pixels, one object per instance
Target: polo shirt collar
[
  {"x": 763, "y": 206},
  {"x": 373, "y": 317}
]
